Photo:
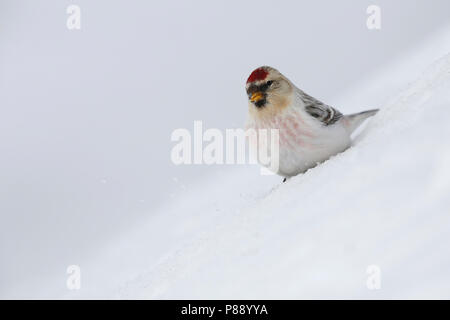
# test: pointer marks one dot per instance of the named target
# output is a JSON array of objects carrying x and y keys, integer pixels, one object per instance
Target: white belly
[
  {"x": 295, "y": 160},
  {"x": 304, "y": 142}
]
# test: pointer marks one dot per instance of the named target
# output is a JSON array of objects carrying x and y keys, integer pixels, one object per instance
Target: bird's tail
[{"x": 353, "y": 121}]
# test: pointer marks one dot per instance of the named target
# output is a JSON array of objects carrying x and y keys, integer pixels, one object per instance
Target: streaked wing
[{"x": 322, "y": 112}]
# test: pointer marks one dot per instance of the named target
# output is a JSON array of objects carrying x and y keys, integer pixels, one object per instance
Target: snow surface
[{"x": 383, "y": 202}]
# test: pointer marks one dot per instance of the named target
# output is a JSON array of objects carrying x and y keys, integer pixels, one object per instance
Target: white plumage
[{"x": 310, "y": 132}]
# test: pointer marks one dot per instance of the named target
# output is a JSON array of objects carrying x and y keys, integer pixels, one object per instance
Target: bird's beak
[{"x": 256, "y": 96}]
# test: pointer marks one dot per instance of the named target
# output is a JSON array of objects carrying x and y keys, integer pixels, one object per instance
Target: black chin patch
[{"x": 261, "y": 103}]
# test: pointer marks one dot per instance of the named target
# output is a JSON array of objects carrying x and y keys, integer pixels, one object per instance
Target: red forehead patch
[{"x": 258, "y": 74}]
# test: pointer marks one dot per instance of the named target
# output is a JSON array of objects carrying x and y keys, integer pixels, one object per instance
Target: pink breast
[{"x": 293, "y": 132}]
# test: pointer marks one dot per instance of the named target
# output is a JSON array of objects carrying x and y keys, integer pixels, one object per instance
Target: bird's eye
[{"x": 269, "y": 83}]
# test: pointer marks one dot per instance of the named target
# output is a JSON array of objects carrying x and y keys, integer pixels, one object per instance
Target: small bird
[{"x": 310, "y": 131}]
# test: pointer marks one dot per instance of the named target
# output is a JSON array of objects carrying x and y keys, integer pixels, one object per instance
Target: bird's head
[{"x": 268, "y": 90}]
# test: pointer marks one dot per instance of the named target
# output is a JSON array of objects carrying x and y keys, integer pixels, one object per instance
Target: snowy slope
[{"x": 383, "y": 202}]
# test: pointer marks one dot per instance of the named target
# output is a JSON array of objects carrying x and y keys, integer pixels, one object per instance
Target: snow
[
  {"x": 384, "y": 202},
  {"x": 240, "y": 235}
]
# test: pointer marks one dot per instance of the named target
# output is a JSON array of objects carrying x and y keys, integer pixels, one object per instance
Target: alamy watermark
[
  {"x": 374, "y": 277},
  {"x": 234, "y": 146},
  {"x": 73, "y": 281},
  {"x": 74, "y": 19},
  {"x": 373, "y": 21}
]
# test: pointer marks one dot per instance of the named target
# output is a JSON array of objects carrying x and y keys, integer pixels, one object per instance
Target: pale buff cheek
[
  {"x": 280, "y": 102},
  {"x": 274, "y": 108}
]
